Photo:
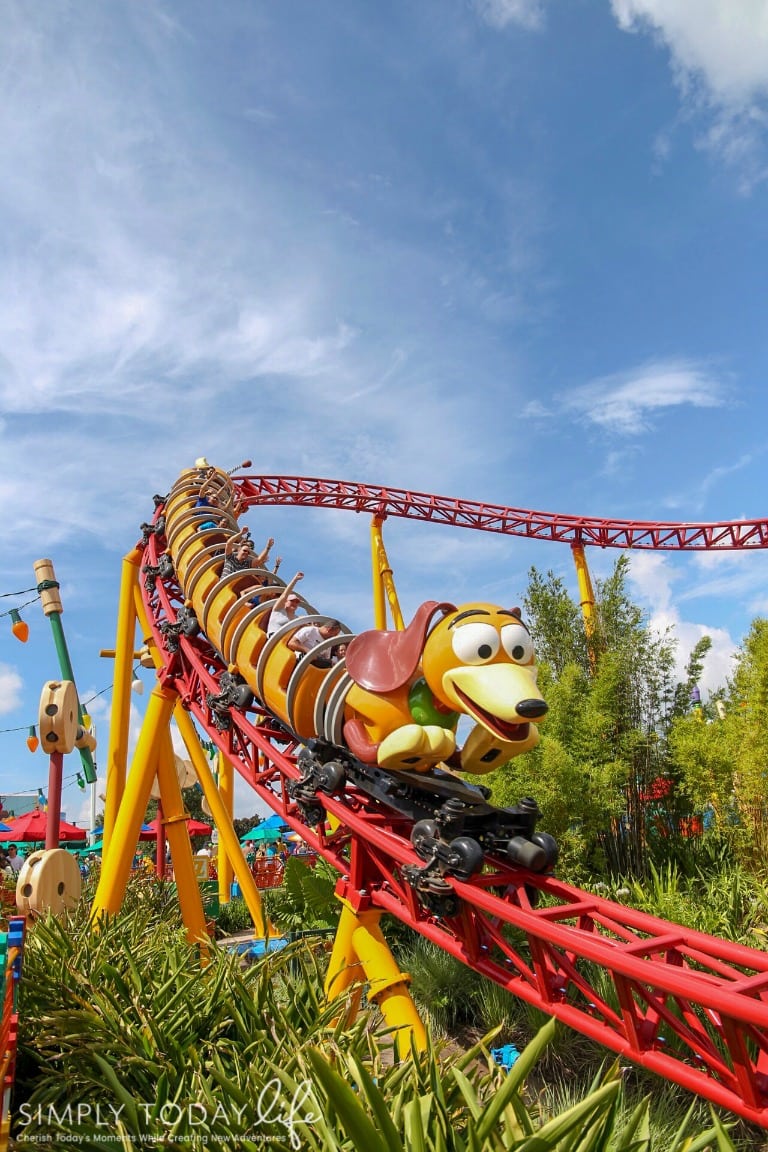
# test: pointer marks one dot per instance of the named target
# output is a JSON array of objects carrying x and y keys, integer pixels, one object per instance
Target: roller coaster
[{"x": 359, "y": 755}]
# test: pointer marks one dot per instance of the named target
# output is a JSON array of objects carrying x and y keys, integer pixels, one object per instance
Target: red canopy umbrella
[
  {"x": 34, "y": 825},
  {"x": 194, "y": 827},
  {"x": 198, "y": 828}
]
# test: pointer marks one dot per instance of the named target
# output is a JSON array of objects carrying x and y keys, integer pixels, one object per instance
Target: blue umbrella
[{"x": 273, "y": 821}]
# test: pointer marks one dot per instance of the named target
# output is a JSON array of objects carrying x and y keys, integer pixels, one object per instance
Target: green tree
[
  {"x": 611, "y": 698},
  {"x": 722, "y": 754}
]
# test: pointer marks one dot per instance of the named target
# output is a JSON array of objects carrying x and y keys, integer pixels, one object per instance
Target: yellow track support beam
[
  {"x": 177, "y": 834},
  {"x": 383, "y": 582},
  {"x": 118, "y": 854},
  {"x": 586, "y": 594},
  {"x": 224, "y": 866},
  {"x": 361, "y": 952},
  {"x": 227, "y": 834},
  {"x": 117, "y": 754}
]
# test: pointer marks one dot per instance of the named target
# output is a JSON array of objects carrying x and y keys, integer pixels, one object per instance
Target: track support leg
[
  {"x": 117, "y": 755},
  {"x": 227, "y": 835},
  {"x": 360, "y": 953},
  {"x": 118, "y": 854},
  {"x": 226, "y": 872},
  {"x": 177, "y": 833}
]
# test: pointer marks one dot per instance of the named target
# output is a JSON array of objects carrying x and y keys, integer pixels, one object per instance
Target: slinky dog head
[{"x": 479, "y": 660}]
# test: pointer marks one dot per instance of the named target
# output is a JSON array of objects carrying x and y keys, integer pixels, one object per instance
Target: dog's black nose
[{"x": 531, "y": 709}]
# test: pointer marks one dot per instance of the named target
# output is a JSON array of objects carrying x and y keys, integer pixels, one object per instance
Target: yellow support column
[
  {"x": 227, "y": 833},
  {"x": 586, "y": 593},
  {"x": 223, "y": 863},
  {"x": 383, "y": 583},
  {"x": 379, "y": 604},
  {"x": 344, "y": 970},
  {"x": 360, "y": 949},
  {"x": 118, "y": 855},
  {"x": 117, "y": 754},
  {"x": 177, "y": 832}
]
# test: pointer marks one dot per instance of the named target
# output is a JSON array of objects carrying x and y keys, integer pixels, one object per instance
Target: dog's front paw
[
  {"x": 416, "y": 748},
  {"x": 483, "y": 751}
]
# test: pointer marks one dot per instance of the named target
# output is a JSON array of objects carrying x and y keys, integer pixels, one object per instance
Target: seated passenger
[
  {"x": 285, "y": 607},
  {"x": 208, "y": 497},
  {"x": 239, "y": 555},
  {"x": 304, "y": 639},
  {"x": 338, "y": 652}
]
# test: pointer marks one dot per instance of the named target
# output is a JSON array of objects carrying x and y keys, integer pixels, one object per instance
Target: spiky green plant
[{"x": 174, "y": 1045}]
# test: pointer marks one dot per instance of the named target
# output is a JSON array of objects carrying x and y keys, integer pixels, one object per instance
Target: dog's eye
[
  {"x": 517, "y": 643},
  {"x": 475, "y": 643}
]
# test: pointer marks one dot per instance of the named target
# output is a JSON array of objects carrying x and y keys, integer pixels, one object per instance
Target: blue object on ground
[
  {"x": 260, "y": 947},
  {"x": 505, "y": 1056}
]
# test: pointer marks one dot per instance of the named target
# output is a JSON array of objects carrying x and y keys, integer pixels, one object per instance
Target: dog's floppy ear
[{"x": 383, "y": 661}]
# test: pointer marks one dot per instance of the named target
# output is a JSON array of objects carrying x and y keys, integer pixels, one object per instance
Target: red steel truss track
[
  {"x": 583, "y": 530},
  {"x": 690, "y": 1007}
]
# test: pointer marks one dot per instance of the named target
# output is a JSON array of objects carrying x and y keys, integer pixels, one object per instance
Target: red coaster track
[
  {"x": 584, "y": 530},
  {"x": 690, "y": 1007}
]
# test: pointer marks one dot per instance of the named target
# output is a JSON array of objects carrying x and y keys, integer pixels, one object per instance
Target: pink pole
[
  {"x": 55, "y": 771},
  {"x": 160, "y": 850}
]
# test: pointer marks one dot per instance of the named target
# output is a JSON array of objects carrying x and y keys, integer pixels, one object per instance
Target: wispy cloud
[
  {"x": 719, "y": 57},
  {"x": 697, "y": 497},
  {"x": 499, "y": 13},
  {"x": 626, "y": 402}
]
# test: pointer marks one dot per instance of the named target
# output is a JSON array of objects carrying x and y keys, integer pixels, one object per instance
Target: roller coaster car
[
  {"x": 477, "y": 662},
  {"x": 454, "y": 823},
  {"x": 385, "y": 718}
]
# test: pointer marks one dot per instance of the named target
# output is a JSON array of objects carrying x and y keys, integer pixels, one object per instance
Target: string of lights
[
  {"x": 19, "y": 607},
  {"x": 40, "y": 792},
  {"x": 19, "y": 627},
  {"x": 26, "y": 727}
]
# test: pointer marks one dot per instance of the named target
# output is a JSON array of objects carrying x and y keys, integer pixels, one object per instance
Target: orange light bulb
[{"x": 19, "y": 627}]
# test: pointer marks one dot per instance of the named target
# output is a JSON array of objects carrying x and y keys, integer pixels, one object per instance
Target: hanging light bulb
[
  {"x": 80, "y": 782},
  {"x": 137, "y": 685},
  {"x": 32, "y": 741},
  {"x": 19, "y": 627}
]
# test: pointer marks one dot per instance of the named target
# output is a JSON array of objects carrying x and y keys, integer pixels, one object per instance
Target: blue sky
[{"x": 504, "y": 250}]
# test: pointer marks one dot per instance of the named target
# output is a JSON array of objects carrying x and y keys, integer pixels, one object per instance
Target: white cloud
[
  {"x": 11, "y": 685},
  {"x": 653, "y": 577},
  {"x": 720, "y": 43},
  {"x": 719, "y": 53},
  {"x": 499, "y": 13},
  {"x": 624, "y": 402}
]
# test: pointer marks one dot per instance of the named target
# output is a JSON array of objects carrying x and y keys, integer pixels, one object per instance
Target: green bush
[{"x": 232, "y": 918}]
